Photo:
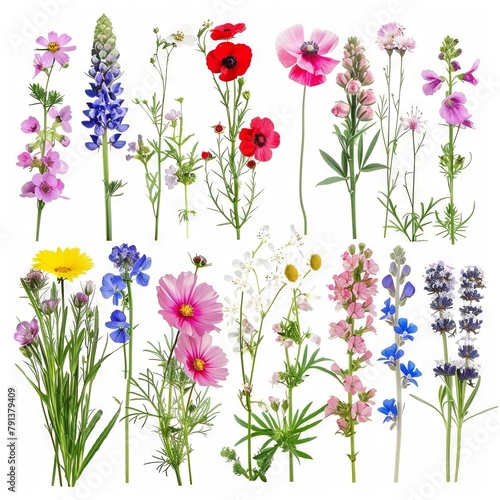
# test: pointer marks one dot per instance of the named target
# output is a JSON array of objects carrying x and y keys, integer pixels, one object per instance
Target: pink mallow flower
[
  {"x": 192, "y": 309},
  {"x": 355, "y": 310},
  {"x": 26, "y": 332},
  {"x": 341, "y": 329},
  {"x": 360, "y": 411},
  {"x": 61, "y": 117},
  {"x": 353, "y": 384},
  {"x": 202, "y": 362},
  {"x": 453, "y": 110},
  {"x": 434, "y": 82},
  {"x": 469, "y": 75},
  {"x": 307, "y": 58},
  {"x": 30, "y": 125},
  {"x": 55, "y": 49},
  {"x": 47, "y": 187}
]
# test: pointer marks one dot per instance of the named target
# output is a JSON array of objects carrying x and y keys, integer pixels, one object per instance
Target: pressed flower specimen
[
  {"x": 355, "y": 112},
  {"x": 228, "y": 62},
  {"x": 453, "y": 111},
  {"x": 460, "y": 377},
  {"x": 309, "y": 67},
  {"x": 40, "y": 155},
  {"x": 353, "y": 291},
  {"x": 131, "y": 266},
  {"x": 64, "y": 354},
  {"x": 400, "y": 290},
  {"x": 175, "y": 395},
  {"x": 105, "y": 112}
]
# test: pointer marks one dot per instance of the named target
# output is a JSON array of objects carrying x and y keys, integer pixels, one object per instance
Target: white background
[{"x": 79, "y": 221}]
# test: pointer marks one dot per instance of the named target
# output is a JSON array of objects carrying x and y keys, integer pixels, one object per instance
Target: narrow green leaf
[
  {"x": 331, "y": 163},
  {"x": 330, "y": 180},
  {"x": 374, "y": 166}
]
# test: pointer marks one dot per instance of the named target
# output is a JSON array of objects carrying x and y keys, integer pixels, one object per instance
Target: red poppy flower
[
  {"x": 230, "y": 60},
  {"x": 227, "y": 31},
  {"x": 259, "y": 139}
]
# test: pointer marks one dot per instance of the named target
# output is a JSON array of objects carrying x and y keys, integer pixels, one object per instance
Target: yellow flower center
[
  {"x": 186, "y": 310},
  {"x": 315, "y": 261},
  {"x": 199, "y": 365},
  {"x": 179, "y": 36},
  {"x": 62, "y": 269},
  {"x": 291, "y": 273},
  {"x": 53, "y": 46}
]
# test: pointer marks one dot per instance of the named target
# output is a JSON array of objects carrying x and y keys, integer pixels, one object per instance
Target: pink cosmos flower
[
  {"x": 352, "y": 384},
  {"x": 356, "y": 344},
  {"x": 47, "y": 187},
  {"x": 469, "y": 75},
  {"x": 332, "y": 406},
  {"x": 53, "y": 162},
  {"x": 307, "y": 58},
  {"x": 55, "y": 49},
  {"x": 434, "y": 80},
  {"x": 386, "y": 35},
  {"x": 30, "y": 125},
  {"x": 453, "y": 110},
  {"x": 63, "y": 117},
  {"x": 202, "y": 362},
  {"x": 360, "y": 411},
  {"x": 26, "y": 332},
  {"x": 192, "y": 309},
  {"x": 24, "y": 160},
  {"x": 38, "y": 64}
]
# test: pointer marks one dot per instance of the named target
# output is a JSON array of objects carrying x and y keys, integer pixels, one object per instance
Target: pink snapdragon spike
[
  {"x": 307, "y": 58},
  {"x": 190, "y": 307},
  {"x": 203, "y": 362},
  {"x": 469, "y": 75},
  {"x": 453, "y": 110},
  {"x": 62, "y": 117},
  {"x": 434, "y": 80},
  {"x": 55, "y": 49}
]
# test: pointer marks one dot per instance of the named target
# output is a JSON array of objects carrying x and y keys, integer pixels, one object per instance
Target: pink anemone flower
[
  {"x": 192, "y": 309},
  {"x": 307, "y": 58},
  {"x": 55, "y": 49},
  {"x": 202, "y": 362}
]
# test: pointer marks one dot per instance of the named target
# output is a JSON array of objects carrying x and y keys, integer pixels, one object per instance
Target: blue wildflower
[
  {"x": 391, "y": 354},
  {"x": 112, "y": 286},
  {"x": 467, "y": 373},
  {"x": 388, "y": 284},
  {"x": 445, "y": 325},
  {"x": 470, "y": 324},
  {"x": 143, "y": 264},
  {"x": 442, "y": 303},
  {"x": 408, "y": 291},
  {"x": 118, "y": 321},
  {"x": 124, "y": 257},
  {"x": 439, "y": 279},
  {"x": 389, "y": 409},
  {"x": 388, "y": 310},
  {"x": 445, "y": 370},
  {"x": 410, "y": 372},
  {"x": 404, "y": 329},
  {"x": 468, "y": 351}
]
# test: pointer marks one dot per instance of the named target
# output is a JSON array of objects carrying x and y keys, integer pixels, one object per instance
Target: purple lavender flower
[
  {"x": 124, "y": 257},
  {"x": 445, "y": 370}
]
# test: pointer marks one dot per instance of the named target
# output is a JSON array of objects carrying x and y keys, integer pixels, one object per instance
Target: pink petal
[
  {"x": 52, "y": 36},
  {"x": 63, "y": 40},
  {"x": 263, "y": 154},
  {"x": 61, "y": 57},
  {"x": 288, "y": 45},
  {"x": 325, "y": 39},
  {"x": 305, "y": 78},
  {"x": 42, "y": 41},
  {"x": 273, "y": 140}
]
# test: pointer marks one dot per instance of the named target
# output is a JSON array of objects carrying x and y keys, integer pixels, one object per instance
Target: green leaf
[
  {"x": 370, "y": 147},
  {"x": 332, "y": 163},
  {"x": 330, "y": 180},
  {"x": 373, "y": 166}
]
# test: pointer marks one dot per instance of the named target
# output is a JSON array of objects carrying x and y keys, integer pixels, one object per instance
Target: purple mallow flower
[
  {"x": 453, "y": 110},
  {"x": 26, "y": 332},
  {"x": 434, "y": 82}
]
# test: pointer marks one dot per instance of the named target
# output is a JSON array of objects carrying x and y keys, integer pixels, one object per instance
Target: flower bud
[
  {"x": 364, "y": 113},
  {"x": 35, "y": 280},
  {"x": 49, "y": 306},
  {"x": 275, "y": 403},
  {"x": 367, "y": 97},
  {"x": 340, "y": 109},
  {"x": 89, "y": 288},
  {"x": 219, "y": 128},
  {"x": 353, "y": 86},
  {"x": 199, "y": 261},
  {"x": 341, "y": 80},
  {"x": 367, "y": 78},
  {"x": 80, "y": 300},
  {"x": 251, "y": 164}
]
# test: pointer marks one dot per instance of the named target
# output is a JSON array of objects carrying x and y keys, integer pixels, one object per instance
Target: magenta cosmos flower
[
  {"x": 453, "y": 110},
  {"x": 55, "y": 49},
  {"x": 307, "y": 58},
  {"x": 202, "y": 362},
  {"x": 192, "y": 309}
]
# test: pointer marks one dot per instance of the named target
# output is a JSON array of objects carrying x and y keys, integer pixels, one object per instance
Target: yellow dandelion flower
[
  {"x": 291, "y": 273},
  {"x": 315, "y": 261},
  {"x": 65, "y": 264}
]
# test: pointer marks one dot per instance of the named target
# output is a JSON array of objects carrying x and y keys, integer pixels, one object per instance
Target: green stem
[
  {"x": 412, "y": 201},
  {"x": 449, "y": 410},
  {"x": 352, "y": 175},
  {"x": 451, "y": 179},
  {"x": 107, "y": 194},
  {"x": 186, "y": 208},
  {"x": 352, "y": 455},
  {"x": 129, "y": 380},
  {"x": 301, "y": 165},
  {"x": 388, "y": 142},
  {"x": 186, "y": 435},
  {"x": 397, "y": 372}
]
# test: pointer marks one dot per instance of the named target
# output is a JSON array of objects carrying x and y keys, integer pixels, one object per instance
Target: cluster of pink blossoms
[{"x": 353, "y": 291}]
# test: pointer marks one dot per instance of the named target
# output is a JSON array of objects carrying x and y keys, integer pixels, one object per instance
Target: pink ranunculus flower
[
  {"x": 55, "y": 49},
  {"x": 469, "y": 75},
  {"x": 62, "y": 117},
  {"x": 332, "y": 406},
  {"x": 202, "y": 361},
  {"x": 434, "y": 82},
  {"x": 367, "y": 97},
  {"x": 47, "y": 187},
  {"x": 353, "y": 86},
  {"x": 353, "y": 384},
  {"x": 307, "y": 58},
  {"x": 26, "y": 332},
  {"x": 192, "y": 309},
  {"x": 453, "y": 110},
  {"x": 24, "y": 160},
  {"x": 361, "y": 411},
  {"x": 30, "y": 125},
  {"x": 364, "y": 113},
  {"x": 340, "y": 109}
]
